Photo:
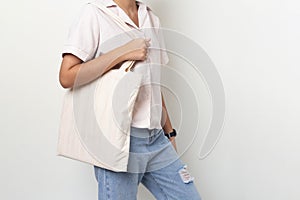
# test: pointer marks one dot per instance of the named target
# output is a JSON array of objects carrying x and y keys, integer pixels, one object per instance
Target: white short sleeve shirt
[{"x": 93, "y": 33}]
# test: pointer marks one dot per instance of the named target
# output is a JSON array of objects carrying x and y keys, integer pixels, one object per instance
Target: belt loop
[{"x": 151, "y": 134}]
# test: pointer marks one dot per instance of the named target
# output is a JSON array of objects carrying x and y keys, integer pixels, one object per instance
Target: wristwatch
[{"x": 172, "y": 134}]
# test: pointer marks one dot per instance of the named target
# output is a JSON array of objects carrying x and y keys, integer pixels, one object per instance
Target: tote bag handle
[{"x": 119, "y": 22}]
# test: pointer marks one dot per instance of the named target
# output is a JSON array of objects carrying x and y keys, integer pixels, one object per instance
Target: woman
[{"x": 153, "y": 160}]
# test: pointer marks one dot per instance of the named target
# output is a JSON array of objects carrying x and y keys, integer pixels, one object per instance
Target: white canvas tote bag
[{"x": 96, "y": 118}]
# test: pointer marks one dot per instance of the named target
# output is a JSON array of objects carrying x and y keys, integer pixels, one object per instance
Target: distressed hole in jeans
[{"x": 185, "y": 175}]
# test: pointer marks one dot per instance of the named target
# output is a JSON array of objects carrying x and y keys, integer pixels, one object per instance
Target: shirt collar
[
  {"x": 143, "y": 8},
  {"x": 109, "y": 3}
]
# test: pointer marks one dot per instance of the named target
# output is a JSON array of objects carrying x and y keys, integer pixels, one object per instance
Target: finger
[
  {"x": 147, "y": 41},
  {"x": 146, "y": 55}
]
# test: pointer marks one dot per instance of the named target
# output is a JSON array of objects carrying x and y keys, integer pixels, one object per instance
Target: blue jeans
[{"x": 152, "y": 162}]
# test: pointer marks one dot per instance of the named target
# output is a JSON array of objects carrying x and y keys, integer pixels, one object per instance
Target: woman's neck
[{"x": 129, "y": 6}]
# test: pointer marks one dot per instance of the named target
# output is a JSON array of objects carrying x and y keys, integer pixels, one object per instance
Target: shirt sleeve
[
  {"x": 164, "y": 54},
  {"x": 83, "y": 36},
  {"x": 163, "y": 50}
]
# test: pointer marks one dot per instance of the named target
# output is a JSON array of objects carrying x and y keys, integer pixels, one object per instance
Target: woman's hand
[
  {"x": 173, "y": 142},
  {"x": 136, "y": 49}
]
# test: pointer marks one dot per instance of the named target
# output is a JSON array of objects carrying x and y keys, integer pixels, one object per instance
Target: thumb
[{"x": 147, "y": 40}]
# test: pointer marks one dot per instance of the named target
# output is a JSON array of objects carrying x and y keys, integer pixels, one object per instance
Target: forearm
[
  {"x": 166, "y": 123},
  {"x": 165, "y": 120},
  {"x": 74, "y": 72},
  {"x": 86, "y": 72}
]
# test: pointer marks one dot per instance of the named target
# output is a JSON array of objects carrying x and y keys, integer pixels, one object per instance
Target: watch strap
[{"x": 172, "y": 134}]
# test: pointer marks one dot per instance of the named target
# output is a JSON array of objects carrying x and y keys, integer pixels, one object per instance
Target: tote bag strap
[{"x": 119, "y": 22}]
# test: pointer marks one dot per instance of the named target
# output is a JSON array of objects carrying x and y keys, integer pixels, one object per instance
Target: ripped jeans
[{"x": 152, "y": 162}]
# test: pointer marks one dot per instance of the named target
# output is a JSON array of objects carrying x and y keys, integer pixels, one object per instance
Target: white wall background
[{"x": 254, "y": 45}]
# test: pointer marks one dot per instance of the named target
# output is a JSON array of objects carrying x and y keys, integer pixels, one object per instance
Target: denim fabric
[{"x": 152, "y": 162}]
